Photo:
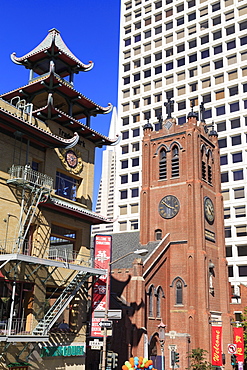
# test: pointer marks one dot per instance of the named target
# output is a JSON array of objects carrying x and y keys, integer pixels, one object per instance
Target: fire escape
[{"x": 34, "y": 187}]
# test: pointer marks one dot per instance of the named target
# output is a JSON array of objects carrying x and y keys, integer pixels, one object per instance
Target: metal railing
[
  {"x": 11, "y": 246},
  {"x": 3, "y": 327},
  {"x": 14, "y": 327},
  {"x": 26, "y": 175},
  {"x": 19, "y": 327},
  {"x": 66, "y": 256}
]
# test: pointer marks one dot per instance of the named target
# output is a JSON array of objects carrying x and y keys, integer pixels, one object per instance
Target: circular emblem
[
  {"x": 209, "y": 210},
  {"x": 169, "y": 206},
  {"x": 71, "y": 158}
]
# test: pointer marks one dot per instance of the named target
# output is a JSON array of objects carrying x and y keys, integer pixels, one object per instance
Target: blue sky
[{"x": 91, "y": 31}]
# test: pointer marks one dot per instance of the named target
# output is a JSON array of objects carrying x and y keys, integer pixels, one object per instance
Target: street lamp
[
  {"x": 140, "y": 252},
  {"x": 162, "y": 338}
]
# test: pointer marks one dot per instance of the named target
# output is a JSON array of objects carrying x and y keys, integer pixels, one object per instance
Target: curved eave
[
  {"x": 62, "y": 87},
  {"x": 65, "y": 120},
  {"x": 11, "y": 123},
  {"x": 52, "y": 44},
  {"x": 75, "y": 210}
]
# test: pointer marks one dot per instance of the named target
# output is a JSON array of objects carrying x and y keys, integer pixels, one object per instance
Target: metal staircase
[
  {"x": 35, "y": 186},
  {"x": 27, "y": 217},
  {"x": 61, "y": 303}
]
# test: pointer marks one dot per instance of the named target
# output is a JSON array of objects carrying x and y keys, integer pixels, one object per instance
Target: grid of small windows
[
  {"x": 206, "y": 37},
  {"x": 225, "y": 27}
]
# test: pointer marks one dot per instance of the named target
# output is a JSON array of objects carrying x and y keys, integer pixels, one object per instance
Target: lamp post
[
  {"x": 162, "y": 329},
  {"x": 140, "y": 252}
]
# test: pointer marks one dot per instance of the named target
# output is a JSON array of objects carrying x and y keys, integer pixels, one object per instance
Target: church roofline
[
  {"x": 152, "y": 259},
  {"x": 52, "y": 43}
]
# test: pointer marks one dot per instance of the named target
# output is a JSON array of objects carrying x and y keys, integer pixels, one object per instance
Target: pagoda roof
[
  {"x": 76, "y": 210},
  {"x": 76, "y": 126},
  {"x": 11, "y": 122},
  {"x": 52, "y": 47},
  {"x": 51, "y": 82}
]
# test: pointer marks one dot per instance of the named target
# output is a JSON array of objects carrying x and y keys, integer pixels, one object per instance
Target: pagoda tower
[
  {"x": 51, "y": 84},
  {"x": 46, "y": 187}
]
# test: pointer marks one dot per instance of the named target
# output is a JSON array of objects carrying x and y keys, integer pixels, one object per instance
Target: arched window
[
  {"x": 179, "y": 292},
  {"x": 175, "y": 161},
  {"x": 153, "y": 346},
  {"x": 209, "y": 174},
  {"x": 162, "y": 165},
  {"x": 158, "y": 234},
  {"x": 159, "y": 295},
  {"x": 210, "y": 167},
  {"x": 151, "y": 301},
  {"x": 207, "y": 161},
  {"x": 204, "y": 161}
]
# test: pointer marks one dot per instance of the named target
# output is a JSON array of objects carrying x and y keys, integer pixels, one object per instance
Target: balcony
[
  {"x": 67, "y": 256},
  {"x": 14, "y": 327},
  {"x": 19, "y": 330},
  {"x": 25, "y": 176}
]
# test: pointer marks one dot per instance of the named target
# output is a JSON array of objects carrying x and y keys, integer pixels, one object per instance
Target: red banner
[
  {"x": 102, "y": 257},
  {"x": 238, "y": 334},
  {"x": 216, "y": 345}
]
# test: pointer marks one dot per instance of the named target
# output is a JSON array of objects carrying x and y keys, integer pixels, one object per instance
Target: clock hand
[
  {"x": 211, "y": 210},
  {"x": 167, "y": 205}
]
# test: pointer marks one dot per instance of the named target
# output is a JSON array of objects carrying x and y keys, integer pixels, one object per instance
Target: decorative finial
[
  {"x": 148, "y": 125},
  {"x": 202, "y": 111},
  {"x": 160, "y": 120},
  {"x": 192, "y": 113},
  {"x": 192, "y": 104},
  {"x": 169, "y": 107},
  {"x": 213, "y": 132},
  {"x": 54, "y": 30}
]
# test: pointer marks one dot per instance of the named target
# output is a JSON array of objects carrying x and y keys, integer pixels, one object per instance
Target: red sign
[
  {"x": 238, "y": 334},
  {"x": 102, "y": 257},
  {"x": 216, "y": 346}
]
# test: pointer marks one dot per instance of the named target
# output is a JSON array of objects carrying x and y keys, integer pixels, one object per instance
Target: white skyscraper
[
  {"x": 184, "y": 50},
  {"x": 107, "y": 191}
]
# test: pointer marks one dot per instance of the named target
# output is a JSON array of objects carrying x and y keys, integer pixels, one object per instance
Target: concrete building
[
  {"x": 47, "y": 170},
  {"x": 188, "y": 51},
  {"x": 107, "y": 189}
]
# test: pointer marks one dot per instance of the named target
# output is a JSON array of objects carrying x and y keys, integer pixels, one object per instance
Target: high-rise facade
[
  {"x": 188, "y": 51},
  {"x": 106, "y": 193}
]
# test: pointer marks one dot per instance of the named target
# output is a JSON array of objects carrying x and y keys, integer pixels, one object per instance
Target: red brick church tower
[{"x": 185, "y": 275}]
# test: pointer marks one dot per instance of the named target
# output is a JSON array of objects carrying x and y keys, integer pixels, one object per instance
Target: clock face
[
  {"x": 169, "y": 206},
  {"x": 71, "y": 158},
  {"x": 209, "y": 210}
]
